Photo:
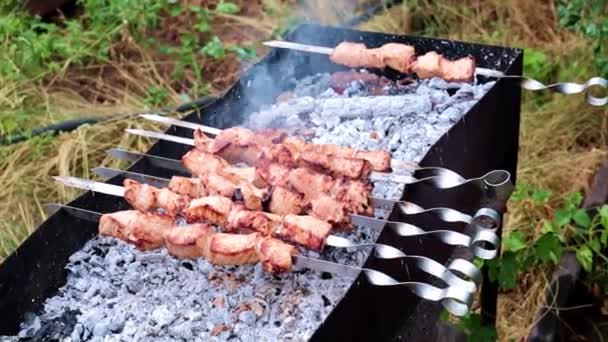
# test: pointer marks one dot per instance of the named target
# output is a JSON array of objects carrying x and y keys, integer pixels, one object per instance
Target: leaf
[
  {"x": 514, "y": 242},
  {"x": 595, "y": 246},
  {"x": 477, "y": 332},
  {"x": 574, "y": 200},
  {"x": 548, "y": 227},
  {"x": 582, "y": 218},
  {"x": 244, "y": 52},
  {"x": 227, "y": 7},
  {"x": 541, "y": 196},
  {"x": 548, "y": 248},
  {"x": 214, "y": 48},
  {"x": 584, "y": 255},
  {"x": 522, "y": 191},
  {"x": 562, "y": 217},
  {"x": 505, "y": 270},
  {"x": 603, "y": 212}
]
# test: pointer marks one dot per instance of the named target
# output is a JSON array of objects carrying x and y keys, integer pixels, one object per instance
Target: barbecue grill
[{"x": 485, "y": 139}]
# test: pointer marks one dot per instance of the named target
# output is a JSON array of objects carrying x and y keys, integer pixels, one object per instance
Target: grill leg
[{"x": 489, "y": 299}]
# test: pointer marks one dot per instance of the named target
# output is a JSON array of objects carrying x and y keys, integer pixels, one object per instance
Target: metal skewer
[
  {"x": 456, "y": 297},
  {"x": 496, "y": 182},
  {"x": 566, "y": 88}
]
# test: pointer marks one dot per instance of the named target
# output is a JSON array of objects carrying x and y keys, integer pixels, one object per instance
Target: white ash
[{"x": 116, "y": 293}]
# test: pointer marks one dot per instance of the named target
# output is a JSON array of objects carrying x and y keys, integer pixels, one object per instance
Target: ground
[{"x": 113, "y": 59}]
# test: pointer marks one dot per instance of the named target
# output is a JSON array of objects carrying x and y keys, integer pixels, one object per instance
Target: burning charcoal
[
  {"x": 182, "y": 330},
  {"x": 163, "y": 316},
  {"x": 247, "y": 317}
]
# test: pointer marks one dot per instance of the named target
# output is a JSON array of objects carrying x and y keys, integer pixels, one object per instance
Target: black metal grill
[{"x": 484, "y": 140}]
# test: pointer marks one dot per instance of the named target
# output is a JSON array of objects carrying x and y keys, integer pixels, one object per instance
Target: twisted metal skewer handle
[
  {"x": 456, "y": 300},
  {"x": 566, "y": 88}
]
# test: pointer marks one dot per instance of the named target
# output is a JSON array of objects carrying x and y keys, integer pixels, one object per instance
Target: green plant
[
  {"x": 589, "y": 18},
  {"x": 569, "y": 228},
  {"x": 156, "y": 96}
]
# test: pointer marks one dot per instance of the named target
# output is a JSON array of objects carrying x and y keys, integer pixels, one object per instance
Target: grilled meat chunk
[
  {"x": 214, "y": 209},
  {"x": 145, "y": 197},
  {"x": 433, "y": 64},
  {"x": 233, "y": 187},
  {"x": 379, "y": 160},
  {"x": 186, "y": 186},
  {"x": 197, "y": 161},
  {"x": 394, "y": 55},
  {"x": 181, "y": 241},
  {"x": 284, "y": 201},
  {"x": 397, "y": 56},
  {"x": 230, "y": 249},
  {"x": 144, "y": 230},
  {"x": 355, "y": 195},
  {"x": 312, "y": 185},
  {"x": 258, "y": 221},
  {"x": 331, "y": 211},
  {"x": 338, "y": 166},
  {"x": 304, "y": 230},
  {"x": 275, "y": 255}
]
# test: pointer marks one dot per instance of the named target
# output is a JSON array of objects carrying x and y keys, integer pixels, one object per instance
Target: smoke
[{"x": 264, "y": 82}]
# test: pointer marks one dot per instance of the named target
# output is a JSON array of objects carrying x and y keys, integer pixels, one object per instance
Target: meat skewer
[
  {"x": 373, "y": 176},
  {"x": 149, "y": 231},
  {"x": 299, "y": 150},
  {"x": 397, "y": 56},
  {"x": 482, "y": 235},
  {"x": 304, "y": 230}
]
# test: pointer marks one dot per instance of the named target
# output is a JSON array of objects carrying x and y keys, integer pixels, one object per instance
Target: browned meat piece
[
  {"x": 460, "y": 70},
  {"x": 118, "y": 224},
  {"x": 272, "y": 173},
  {"x": 275, "y": 255},
  {"x": 433, "y": 64},
  {"x": 197, "y": 161},
  {"x": 331, "y": 211},
  {"x": 247, "y": 174},
  {"x": 356, "y": 55},
  {"x": 145, "y": 197},
  {"x": 258, "y": 221},
  {"x": 309, "y": 183},
  {"x": 284, "y": 201},
  {"x": 170, "y": 201},
  {"x": 238, "y": 189},
  {"x": 144, "y": 230},
  {"x": 230, "y": 249},
  {"x": 304, "y": 230},
  {"x": 379, "y": 160},
  {"x": 181, "y": 241},
  {"x": 397, "y": 56},
  {"x": 187, "y": 186},
  {"x": 140, "y": 196},
  {"x": 338, "y": 166},
  {"x": 214, "y": 209},
  {"x": 354, "y": 194}
]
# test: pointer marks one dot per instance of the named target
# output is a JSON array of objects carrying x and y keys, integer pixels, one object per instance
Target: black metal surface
[{"x": 485, "y": 139}]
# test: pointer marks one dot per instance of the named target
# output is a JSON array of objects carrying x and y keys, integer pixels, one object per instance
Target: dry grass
[
  {"x": 118, "y": 87},
  {"x": 562, "y": 138}
]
